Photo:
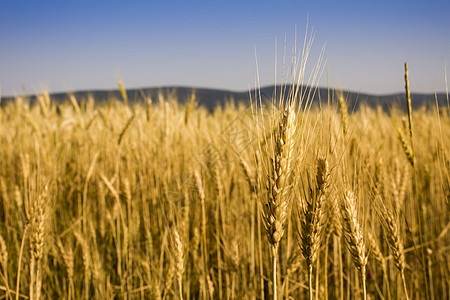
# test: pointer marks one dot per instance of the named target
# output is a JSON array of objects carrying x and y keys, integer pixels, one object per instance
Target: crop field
[{"x": 162, "y": 200}]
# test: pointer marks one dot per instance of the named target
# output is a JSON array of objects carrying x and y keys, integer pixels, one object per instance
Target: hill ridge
[{"x": 211, "y": 98}]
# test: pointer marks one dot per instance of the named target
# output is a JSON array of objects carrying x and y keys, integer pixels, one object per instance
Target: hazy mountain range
[{"x": 210, "y": 98}]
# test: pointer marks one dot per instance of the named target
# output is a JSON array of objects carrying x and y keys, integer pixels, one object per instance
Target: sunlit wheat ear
[
  {"x": 179, "y": 253},
  {"x": 190, "y": 107},
  {"x": 344, "y": 113},
  {"x": 3, "y": 255},
  {"x": 86, "y": 261},
  {"x": 313, "y": 214},
  {"x": 352, "y": 232},
  {"x": 312, "y": 217},
  {"x": 123, "y": 92},
  {"x": 38, "y": 225},
  {"x": 44, "y": 103},
  {"x": 391, "y": 229},
  {"x": 353, "y": 235},
  {"x": 156, "y": 289},
  {"x": 74, "y": 103},
  {"x": 402, "y": 186},
  {"x": 375, "y": 251},
  {"x": 148, "y": 111},
  {"x": 235, "y": 254},
  {"x": 67, "y": 256},
  {"x": 201, "y": 193},
  {"x": 217, "y": 179},
  {"x": 251, "y": 180},
  {"x": 199, "y": 186},
  {"x": 210, "y": 284},
  {"x": 334, "y": 224},
  {"x": 195, "y": 245},
  {"x": 3, "y": 190},
  {"x": 170, "y": 273},
  {"x": 406, "y": 147},
  {"x": 276, "y": 208},
  {"x": 408, "y": 103}
]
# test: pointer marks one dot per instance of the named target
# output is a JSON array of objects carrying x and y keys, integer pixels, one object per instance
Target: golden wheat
[
  {"x": 119, "y": 189},
  {"x": 353, "y": 235}
]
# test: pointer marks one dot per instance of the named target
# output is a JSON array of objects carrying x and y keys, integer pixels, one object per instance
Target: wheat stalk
[
  {"x": 411, "y": 158},
  {"x": 275, "y": 210},
  {"x": 313, "y": 218}
]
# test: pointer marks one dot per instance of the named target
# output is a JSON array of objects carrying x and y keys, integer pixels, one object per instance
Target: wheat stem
[
  {"x": 402, "y": 274},
  {"x": 19, "y": 264},
  {"x": 418, "y": 197},
  {"x": 310, "y": 271},
  {"x": 274, "y": 273}
]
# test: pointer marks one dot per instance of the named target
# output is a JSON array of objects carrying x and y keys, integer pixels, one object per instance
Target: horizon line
[{"x": 176, "y": 86}]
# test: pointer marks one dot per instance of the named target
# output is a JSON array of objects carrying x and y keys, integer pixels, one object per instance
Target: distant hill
[{"x": 211, "y": 98}]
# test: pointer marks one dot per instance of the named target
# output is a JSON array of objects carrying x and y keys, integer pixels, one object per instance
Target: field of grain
[{"x": 166, "y": 201}]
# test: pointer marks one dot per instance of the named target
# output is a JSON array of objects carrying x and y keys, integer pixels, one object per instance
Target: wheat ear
[
  {"x": 86, "y": 262},
  {"x": 353, "y": 235},
  {"x": 3, "y": 255},
  {"x": 38, "y": 234},
  {"x": 189, "y": 107},
  {"x": 123, "y": 92},
  {"x": 275, "y": 210},
  {"x": 67, "y": 256},
  {"x": 170, "y": 273},
  {"x": 201, "y": 193},
  {"x": 344, "y": 113},
  {"x": 313, "y": 218},
  {"x": 392, "y": 232},
  {"x": 406, "y": 147},
  {"x": 4, "y": 265},
  {"x": 179, "y": 259},
  {"x": 376, "y": 251},
  {"x": 253, "y": 182}
]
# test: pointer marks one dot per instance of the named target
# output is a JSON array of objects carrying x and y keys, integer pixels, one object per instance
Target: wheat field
[{"x": 162, "y": 200}]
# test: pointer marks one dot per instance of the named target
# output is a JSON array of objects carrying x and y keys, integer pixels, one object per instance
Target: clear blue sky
[{"x": 73, "y": 45}]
